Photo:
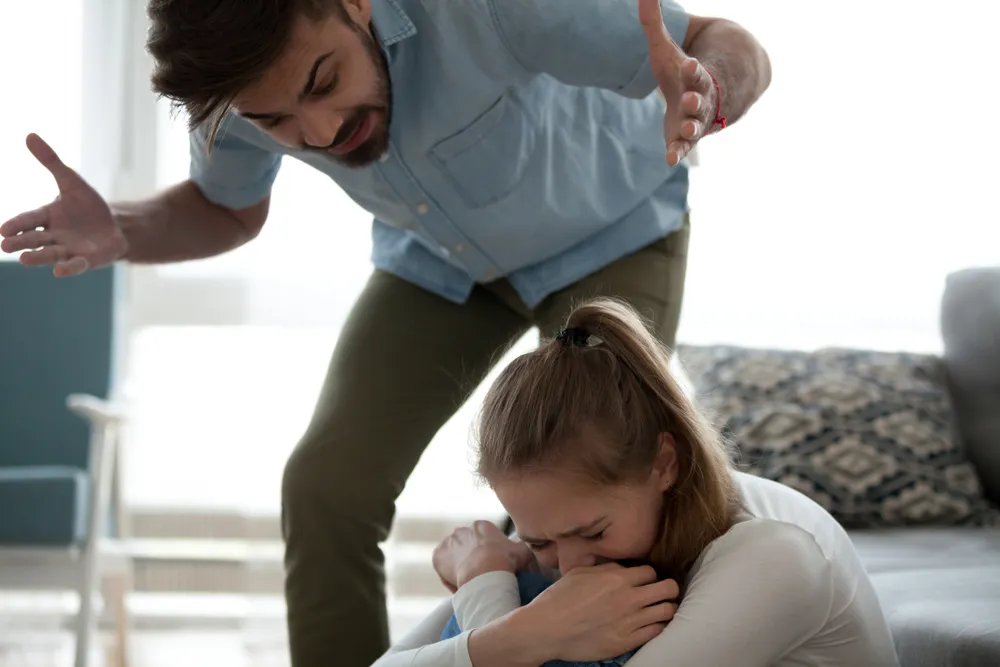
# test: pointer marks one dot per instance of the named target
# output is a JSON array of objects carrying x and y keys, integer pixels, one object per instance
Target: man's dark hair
[{"x": 207, "y": 51}]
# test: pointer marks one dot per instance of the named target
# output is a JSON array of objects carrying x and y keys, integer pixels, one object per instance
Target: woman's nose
[{"x": 570, "y": 558}]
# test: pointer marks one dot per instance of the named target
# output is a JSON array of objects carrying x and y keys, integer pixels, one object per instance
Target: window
[
  {"x": 832, "y": 214},
  {"x": 228, "y": 354},
  {"x": 43, "y": 96}
]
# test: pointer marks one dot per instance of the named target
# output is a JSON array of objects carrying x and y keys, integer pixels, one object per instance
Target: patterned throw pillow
[{"x": 867, "y": 435}]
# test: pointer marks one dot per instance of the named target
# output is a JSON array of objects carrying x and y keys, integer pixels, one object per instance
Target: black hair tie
[{"x": 577, "y": 336}]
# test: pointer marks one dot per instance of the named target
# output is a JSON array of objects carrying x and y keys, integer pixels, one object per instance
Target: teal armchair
[{"x": 58, "y": 439}]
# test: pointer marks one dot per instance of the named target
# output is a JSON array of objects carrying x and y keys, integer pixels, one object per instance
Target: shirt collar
[{"x": 391, "y": 23}]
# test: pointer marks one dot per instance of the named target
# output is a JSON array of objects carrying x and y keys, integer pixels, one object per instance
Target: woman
[{"x": 599, "y": 458}]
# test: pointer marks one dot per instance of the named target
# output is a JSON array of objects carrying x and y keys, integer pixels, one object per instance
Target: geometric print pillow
[{"x": 867, "y": 435}]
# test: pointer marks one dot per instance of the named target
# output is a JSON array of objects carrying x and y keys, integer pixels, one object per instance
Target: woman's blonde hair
[{"x": 594, "y": 401}]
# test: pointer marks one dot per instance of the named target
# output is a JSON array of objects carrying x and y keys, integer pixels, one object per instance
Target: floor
[
  {"x": 160, "y": 648},
  {"x": 164, "y": 639}
]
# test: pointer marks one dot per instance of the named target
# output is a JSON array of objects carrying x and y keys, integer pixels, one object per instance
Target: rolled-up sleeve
[
  {"x": 594, "y": 43},
  {"x": 236, "y": 173}
]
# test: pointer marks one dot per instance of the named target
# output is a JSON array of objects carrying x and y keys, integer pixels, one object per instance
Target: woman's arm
[
  {"x": 486, "y": 600},
  {"x": 762, "y": 590}
]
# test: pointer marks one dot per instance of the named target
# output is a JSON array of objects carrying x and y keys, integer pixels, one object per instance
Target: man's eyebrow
[
  {"x": 310, "y": 84},
  {"x": 569, "y": 533}
]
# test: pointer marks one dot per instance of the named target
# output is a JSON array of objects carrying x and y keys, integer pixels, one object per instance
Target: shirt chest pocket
[{"x": 487, "y": 160}]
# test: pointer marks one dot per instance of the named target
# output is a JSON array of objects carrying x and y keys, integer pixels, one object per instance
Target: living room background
[{"x": 830, "y": 215}]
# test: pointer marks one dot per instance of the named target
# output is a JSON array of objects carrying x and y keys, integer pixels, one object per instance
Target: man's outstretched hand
[
  {"x": 75, "y": 233},
  {"x": 691, "y": 95}
]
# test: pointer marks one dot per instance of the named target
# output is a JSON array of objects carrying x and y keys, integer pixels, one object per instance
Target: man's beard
[{"x": 377, "y": 143}]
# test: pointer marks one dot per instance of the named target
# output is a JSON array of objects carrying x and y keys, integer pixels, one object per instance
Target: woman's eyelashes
[{"x": 541, "y": 546}]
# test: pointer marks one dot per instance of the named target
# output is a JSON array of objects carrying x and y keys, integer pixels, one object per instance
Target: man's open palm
[
  {"x": 74, "y": 233},
  {"x": 686, "y": 86}
]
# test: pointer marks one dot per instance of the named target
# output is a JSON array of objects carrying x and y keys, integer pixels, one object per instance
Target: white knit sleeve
[
  {"x": 486, "y": 598},
  {"x": 760, "y": 591}
]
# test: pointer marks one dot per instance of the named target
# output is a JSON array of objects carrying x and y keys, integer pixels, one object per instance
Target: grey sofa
[
  {"x": 941, "y": 586},
  {"x": 903, "y": 449}
]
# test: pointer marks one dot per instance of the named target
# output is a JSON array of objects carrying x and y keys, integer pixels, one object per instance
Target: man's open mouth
[{"x": 354, "y": 137}]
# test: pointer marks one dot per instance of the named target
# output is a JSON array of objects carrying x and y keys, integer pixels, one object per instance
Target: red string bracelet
[{"x": 720, "y": 120}]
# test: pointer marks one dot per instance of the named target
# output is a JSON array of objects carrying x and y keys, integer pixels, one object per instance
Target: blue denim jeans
[{"x": 530, "y": 585}]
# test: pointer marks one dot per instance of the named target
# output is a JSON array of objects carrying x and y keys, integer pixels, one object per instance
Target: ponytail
[{"x": 595, "y": 400}]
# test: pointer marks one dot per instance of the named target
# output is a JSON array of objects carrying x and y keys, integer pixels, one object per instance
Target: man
[{"x": 515, "y": 159}]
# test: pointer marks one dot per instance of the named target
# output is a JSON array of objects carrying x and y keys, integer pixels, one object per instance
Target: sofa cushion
[
  {"x": 940, "y": 591},
  {"x": 42, "y": 506},
  {"x": 867, "y": 435},
  {"x": 970, "y": 327}
]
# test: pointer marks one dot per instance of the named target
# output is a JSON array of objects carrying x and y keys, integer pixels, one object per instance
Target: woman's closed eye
[{"x": 542, "y": 545}]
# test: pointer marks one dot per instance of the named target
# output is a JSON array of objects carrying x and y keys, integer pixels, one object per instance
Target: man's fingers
[
  {"x": 30, "y": 240},
  {"x": 49, "y": 255},
  {"x": 691, "y": 129},
  {"x": 692, "y": 103},
  {"x": 665, "y": 56},
  {"x": 676, "y": 152},
  {"x": 651, "y": 19},
  {"x": 694, "y": 74},
  {"x": 73, "y": 267},
  {"x": 25, "y": 222},
  {"x": 65, "y": 177}
]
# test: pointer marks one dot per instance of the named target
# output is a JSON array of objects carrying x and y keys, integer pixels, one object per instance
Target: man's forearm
[
  {"x": 738, "y": 62},
  {"x": 180, "y": 224}
]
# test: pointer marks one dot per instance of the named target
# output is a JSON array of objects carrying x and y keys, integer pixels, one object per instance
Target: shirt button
[
  {"x": 489, "y": 277},
  {"x": 459, "y": 247},
  {"x": 422, "y": 209},
  {"x": 384, "y": 158}
]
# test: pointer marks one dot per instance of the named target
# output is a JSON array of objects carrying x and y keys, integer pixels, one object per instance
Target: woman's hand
[
  {"x": 600, "y": 612},
  {"x": 471, "y": 551}
]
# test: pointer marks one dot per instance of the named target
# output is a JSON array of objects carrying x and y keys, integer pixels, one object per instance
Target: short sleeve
[
  {"x": 236, "y": 174},
  {"x": 591, "y": 43}
]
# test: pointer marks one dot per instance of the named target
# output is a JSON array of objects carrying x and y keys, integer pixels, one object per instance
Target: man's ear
[
  {"x": 360, "y": 11},
  {"x": 665, "y": 465}
]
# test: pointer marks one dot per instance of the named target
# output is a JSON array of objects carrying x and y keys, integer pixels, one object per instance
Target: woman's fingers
[
  {"x": 646, "y": 634},
  {"x": 660, "y": 591},
  {"x": 657, "y": 613},
  {"x": 640, "y": 575}
]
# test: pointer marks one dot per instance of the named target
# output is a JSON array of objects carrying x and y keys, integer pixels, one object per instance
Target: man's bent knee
[{"x": 319, "y": 479}]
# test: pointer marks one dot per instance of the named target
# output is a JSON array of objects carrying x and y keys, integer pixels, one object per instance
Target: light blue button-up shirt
[{"x": 526, "y": 142}]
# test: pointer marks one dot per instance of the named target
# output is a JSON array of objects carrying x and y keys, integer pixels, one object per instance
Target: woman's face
[{"x": 569, "y": 522}]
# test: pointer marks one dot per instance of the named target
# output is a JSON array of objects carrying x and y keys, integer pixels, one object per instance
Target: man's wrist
[{"x": 511, "y": 641}]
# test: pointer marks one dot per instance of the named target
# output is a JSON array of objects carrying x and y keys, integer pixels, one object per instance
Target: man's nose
[{"x": 320, "y": 129}]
